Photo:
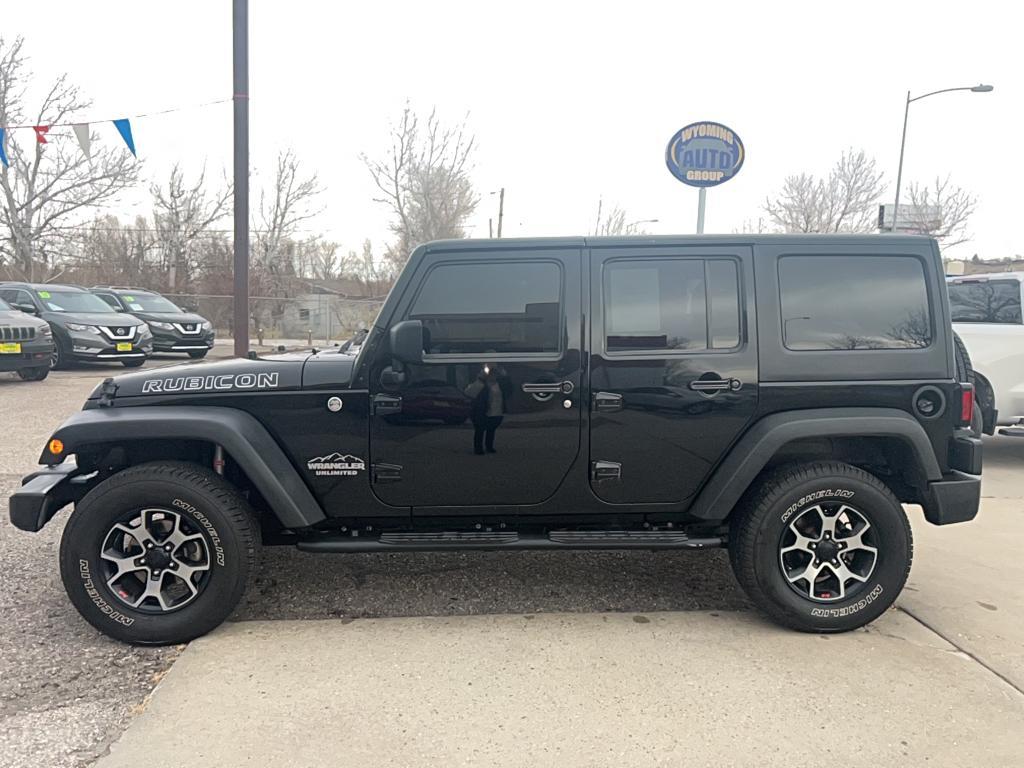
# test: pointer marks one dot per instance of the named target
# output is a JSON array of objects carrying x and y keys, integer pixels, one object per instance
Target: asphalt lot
[{"x": 66, "y": 692}]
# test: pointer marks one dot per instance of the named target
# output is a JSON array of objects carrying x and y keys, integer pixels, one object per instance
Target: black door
[
  {"x": 674, "y": 367},
  {"x": 491, "y": 416}
]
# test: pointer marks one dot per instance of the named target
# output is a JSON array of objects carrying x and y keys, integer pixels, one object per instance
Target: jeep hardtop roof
[{"x": 669, "y": 240}]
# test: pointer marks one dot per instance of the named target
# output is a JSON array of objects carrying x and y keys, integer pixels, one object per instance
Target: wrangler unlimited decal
[{"x": 219, "y": 383}]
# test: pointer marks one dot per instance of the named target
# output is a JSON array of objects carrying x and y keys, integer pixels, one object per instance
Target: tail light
[{"x": 966, "y": 404}]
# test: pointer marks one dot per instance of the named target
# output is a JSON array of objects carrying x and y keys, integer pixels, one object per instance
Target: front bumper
[
  {"x": 46, "y": 492},
  {"x": 33, "y": 354},
  {"x": 178, "y": 344},
  {"x": 92, "y": 346}
]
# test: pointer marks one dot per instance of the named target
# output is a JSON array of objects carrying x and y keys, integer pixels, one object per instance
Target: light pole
[{"x": 980, "y": 88}]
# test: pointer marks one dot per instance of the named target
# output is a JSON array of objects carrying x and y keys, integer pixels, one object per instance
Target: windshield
[
  {"x": 4, "y": 306},
  {"x": 74, "y": 301},
  {"x": 985, "y": 301},
  {"x": 148, "y": 302}
]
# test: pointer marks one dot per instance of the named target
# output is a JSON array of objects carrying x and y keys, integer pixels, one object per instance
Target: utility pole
[
  {"x": 501, "y": 209},
  {"x": 240, "y": 69},
  {"x": 490, "y": 227}
]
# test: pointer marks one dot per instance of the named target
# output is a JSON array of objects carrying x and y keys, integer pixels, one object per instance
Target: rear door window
[
  {"x": 671, "y": 304},
  {"x": 854, "y": 302},
  {"x": 985, "y": 301}
]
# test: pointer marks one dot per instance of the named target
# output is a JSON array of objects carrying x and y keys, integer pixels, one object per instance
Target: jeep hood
[{"x": 291, "y": 371}]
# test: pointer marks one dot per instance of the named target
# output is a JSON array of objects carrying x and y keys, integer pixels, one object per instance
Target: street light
[
  {"x": 980, "y": 88},
  {"x": 631, "y": 227}
]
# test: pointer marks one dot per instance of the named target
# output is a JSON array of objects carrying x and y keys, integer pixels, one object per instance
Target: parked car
[
  {"x": 26, "y": 344},
  {"x": 986, "y": 313},
  {"x": 174, "y": 329},
  {"x": 799, "y": 405},
  {"x": 85, "y": 328}
]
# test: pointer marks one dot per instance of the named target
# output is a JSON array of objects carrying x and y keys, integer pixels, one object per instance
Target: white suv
[{"x": 986, "y": 312}]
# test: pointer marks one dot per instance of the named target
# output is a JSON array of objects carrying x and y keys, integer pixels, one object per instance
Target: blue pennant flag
[
  {"x": 125, "y": 129},
  {"x": 3, "y": 154}
]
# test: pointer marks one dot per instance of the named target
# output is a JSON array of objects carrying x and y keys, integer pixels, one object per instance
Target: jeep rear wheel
[
  {"x": 159, "y": 553},
  {"x": 822, "y": 547}
]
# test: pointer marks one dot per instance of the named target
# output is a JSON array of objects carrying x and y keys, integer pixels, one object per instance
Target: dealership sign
[{"x": 704, "y": 154}]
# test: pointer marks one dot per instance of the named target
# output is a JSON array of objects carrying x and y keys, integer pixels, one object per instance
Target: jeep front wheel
[
  {"x": 822, "y": 547},
  {"x": 159, "y": 553}
]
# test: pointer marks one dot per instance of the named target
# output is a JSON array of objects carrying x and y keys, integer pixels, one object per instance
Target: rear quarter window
[
  {"x": 854, "y": 302},
  {"x": 985, "y": 301}
]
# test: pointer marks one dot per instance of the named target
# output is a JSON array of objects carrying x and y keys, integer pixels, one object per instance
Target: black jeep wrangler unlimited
[{"x": 781, "y": 396}]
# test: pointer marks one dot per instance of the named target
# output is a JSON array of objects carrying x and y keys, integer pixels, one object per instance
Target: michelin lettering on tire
[
  {"x": 204, "y": 521},
  {"x": 846, "y": 610},
  {"x": 815, "y": 496},
  {"x": 97, "y": 599}
]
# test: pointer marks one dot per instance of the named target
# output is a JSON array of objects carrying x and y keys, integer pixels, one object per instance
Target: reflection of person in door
[{"x": 489, "y": 392}]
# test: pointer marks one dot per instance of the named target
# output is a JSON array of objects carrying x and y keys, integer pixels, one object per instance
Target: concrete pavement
[
  {"x": 967, "y": 581},
  {"x": 562, "y": 690}
]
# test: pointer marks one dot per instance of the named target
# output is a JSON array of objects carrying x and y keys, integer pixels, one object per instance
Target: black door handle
[
  {"x": 384, "y": 405},
  {"x": 549, "y": 388},
  {"x": 602, "y": 471},
  {"x": 711, "y": 386},
  {"x": 606, "y": 402}
]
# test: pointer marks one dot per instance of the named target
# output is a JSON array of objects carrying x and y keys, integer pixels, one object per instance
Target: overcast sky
[{"x": 569, "y": 101}]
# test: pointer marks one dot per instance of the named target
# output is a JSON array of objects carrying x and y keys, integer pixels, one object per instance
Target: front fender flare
[
  {"x": 244, "y": 438},
  {"x": 762, "y": 441}
]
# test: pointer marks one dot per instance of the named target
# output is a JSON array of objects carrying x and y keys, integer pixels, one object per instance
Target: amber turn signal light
[{"x": 56, "y": 447}]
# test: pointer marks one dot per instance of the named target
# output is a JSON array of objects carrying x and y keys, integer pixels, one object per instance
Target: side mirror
[
  {"x": 407, "y": 341},
  {"x": 29, "y": 308}
]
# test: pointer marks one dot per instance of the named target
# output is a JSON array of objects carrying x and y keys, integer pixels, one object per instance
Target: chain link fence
[{"x": 315, "y": 318}]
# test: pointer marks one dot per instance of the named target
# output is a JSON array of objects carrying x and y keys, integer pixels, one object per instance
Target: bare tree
[
  {"x": 182, "y": 213},
  {"x": 424, "y": 181},
  {"x": 283, "y": 207},
  {"x": 614, "y": 222},
  {"x": 113, "y": 253},
  {"x": 51, "y": 184},
  {"x": 374, "y": 276},
  {"x": 955, "y": 207},
  {"x": 844, "y": 201}
]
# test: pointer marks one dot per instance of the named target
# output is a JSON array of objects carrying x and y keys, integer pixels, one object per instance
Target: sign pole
[{"x": 702, "y": 201}]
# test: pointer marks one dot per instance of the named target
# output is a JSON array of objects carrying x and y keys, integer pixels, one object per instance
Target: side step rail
[
  {"x": 493, "y": 540},
  {"x": 1014, "y": 430}
]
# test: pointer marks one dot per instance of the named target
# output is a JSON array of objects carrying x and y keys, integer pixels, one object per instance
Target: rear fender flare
[
  {"x": 244, "y": 438},
  {"x": 763, "y": 440}
]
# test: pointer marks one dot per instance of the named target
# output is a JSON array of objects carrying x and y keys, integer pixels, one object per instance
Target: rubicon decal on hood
[
  {"x": 336, "y": 464},
  {"x": 225, "y": 382}
]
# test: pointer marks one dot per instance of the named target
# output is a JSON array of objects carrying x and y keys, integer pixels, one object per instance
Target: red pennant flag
[{"x": 41, "y": 131}]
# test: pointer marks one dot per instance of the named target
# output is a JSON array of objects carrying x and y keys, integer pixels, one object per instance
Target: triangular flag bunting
[
  {"x": 41, "y": 131},
  {"x": 82, "y": 134},
  {"x": 124, "y": 127},
  {"x": 3, "y": 153}
]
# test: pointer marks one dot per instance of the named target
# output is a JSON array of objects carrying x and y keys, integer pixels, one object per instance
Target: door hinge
[
  {"x": 601, "y": 471},
  {"x": 386, "y": 473},
  {"x": 386, "y": 404}
]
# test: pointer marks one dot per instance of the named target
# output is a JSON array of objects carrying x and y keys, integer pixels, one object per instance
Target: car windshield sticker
[
  {"x": 130, "y": 299},
  {"x": 221, "y": 383},
  {"x": 336, "y": 465},
  {"x": 136, "y": 307},
  {"x": 44, "y": 294}
]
